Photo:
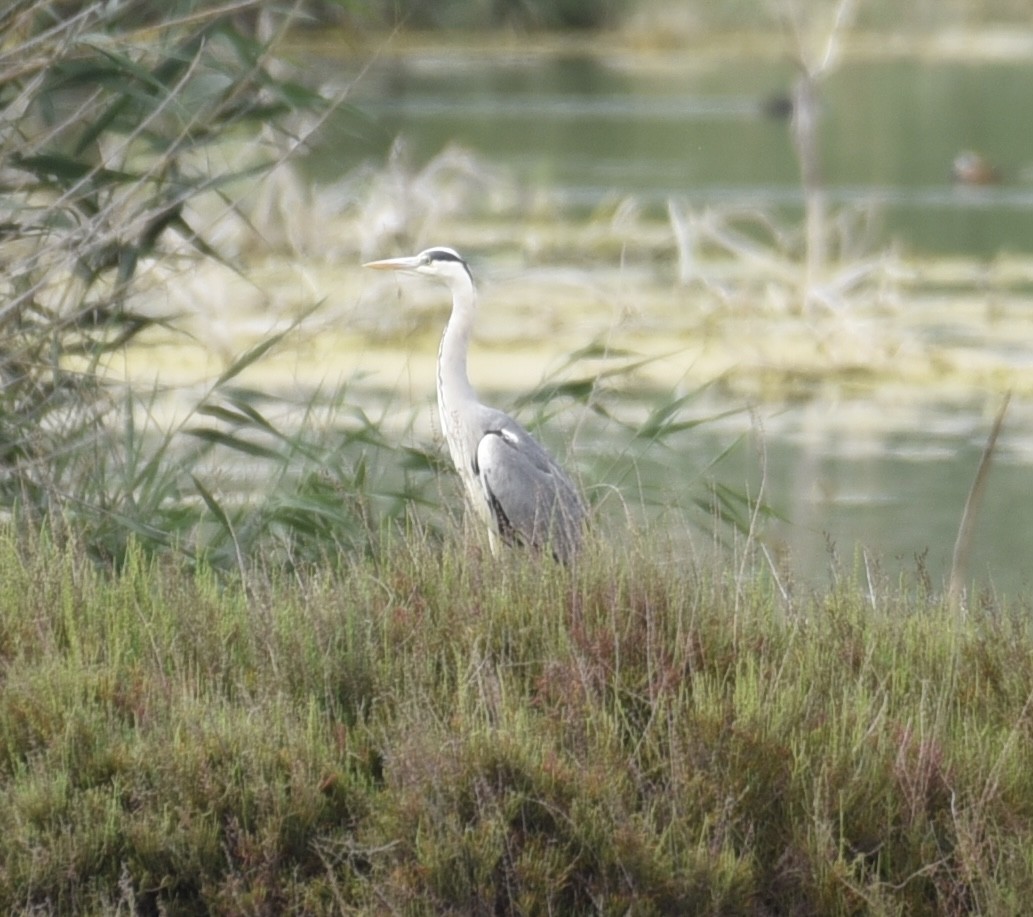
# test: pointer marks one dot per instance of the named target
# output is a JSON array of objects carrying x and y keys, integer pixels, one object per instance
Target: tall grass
[
  {"x": 428, "y": 730},
  {"x": 122, "y": 124}
]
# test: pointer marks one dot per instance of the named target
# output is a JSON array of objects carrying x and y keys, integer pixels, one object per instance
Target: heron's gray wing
[{"x": 530, "y": 497}]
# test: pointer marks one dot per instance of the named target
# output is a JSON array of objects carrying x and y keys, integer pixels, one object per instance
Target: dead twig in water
[{"x": 814, "y": 69}]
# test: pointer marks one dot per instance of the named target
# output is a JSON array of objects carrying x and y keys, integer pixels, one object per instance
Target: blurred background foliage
[
  {"x": 690, "y": 15},
  {"x": 697, "y": 15}
]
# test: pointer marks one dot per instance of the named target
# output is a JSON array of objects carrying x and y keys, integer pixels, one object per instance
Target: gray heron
[{"x": 518, "y": 490}]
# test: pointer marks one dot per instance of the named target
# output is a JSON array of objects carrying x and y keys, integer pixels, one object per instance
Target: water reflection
[{"x": 848, "y": 476}]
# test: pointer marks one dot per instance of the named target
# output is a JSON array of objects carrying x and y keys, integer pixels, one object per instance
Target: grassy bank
[
  {"x": 427, "y": 730},
  {"x": 232, "y": 701}
]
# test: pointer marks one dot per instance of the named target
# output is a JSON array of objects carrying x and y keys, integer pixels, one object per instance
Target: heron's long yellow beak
[{"x": 394, "y": 264}]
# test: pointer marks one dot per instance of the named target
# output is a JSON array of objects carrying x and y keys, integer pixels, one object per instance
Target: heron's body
[{"x": 513, "y": 484}]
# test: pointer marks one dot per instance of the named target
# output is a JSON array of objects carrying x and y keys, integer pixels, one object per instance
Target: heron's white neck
[
  {"x": 456, "y": 398},
  {"x": 453, "y": 383}
]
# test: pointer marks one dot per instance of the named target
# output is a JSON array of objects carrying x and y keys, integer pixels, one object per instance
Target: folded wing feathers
[{"x": 530, "y": 497}]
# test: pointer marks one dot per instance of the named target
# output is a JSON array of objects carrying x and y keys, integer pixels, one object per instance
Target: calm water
[{"x": 587, "y": 129}]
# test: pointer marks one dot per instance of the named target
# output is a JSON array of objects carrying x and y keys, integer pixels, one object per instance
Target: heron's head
[{"x": 441, "y": 262}]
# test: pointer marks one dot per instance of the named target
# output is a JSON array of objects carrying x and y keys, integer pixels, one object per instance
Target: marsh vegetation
[
  {"x": 253, "y": 661},
  {"x": 432, "y": 730}
]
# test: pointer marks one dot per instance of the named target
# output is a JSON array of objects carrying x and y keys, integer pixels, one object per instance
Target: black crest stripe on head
[
  {"x": 446, "y": 254},
  {"x": 443, "y": 254}
]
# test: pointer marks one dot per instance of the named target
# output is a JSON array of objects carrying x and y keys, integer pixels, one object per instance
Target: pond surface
[
  {"x": 588, "y": 127},
  {"x": 887, "y": 473}
]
